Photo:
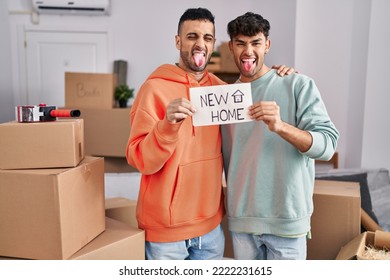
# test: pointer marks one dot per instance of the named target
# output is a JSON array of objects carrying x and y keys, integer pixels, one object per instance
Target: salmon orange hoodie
[{"x": 180, "y": 195}]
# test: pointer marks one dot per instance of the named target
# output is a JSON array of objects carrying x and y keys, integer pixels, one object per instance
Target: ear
[
  {"x": 267, "y": 45},
  {"x": 178, "y": 42},
  {"x": 231, "y": 46}
]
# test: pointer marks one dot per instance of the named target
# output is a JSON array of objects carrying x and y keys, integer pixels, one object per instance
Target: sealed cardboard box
[
  {"x": 54, "y": 144},
  {"x": 229, "y": 252},
  {"x": 90, "y": 90},
  {"x": 214, "y": 64},
  {"x": 122, "y": 209},
  {"x": 335, "y": 220},
  {"x": 117, "y": 165},
  {"x": 51, "y": 213},
  {"x": 358, "y": 247},
  {"x": 227, "y": 63},
  {"x": 106, "y": 131},
  {"x": 118, "y": 242}
]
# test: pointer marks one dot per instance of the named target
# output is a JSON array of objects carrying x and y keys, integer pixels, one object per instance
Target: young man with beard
[
  {"x": 269, "y": 163},
  {"x": 180, "y": 202}
]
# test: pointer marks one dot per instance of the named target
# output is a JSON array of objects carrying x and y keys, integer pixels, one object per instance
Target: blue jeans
[
  {"x": 206, "y": 247},
  {"x": 268, "y": 247}
]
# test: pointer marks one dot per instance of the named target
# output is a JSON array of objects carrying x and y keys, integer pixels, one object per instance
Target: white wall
[
  {"x": 353, "y": 133},
  {"x": 323, "y": 45},
  {"x": 343, "y": 45},
  {"x": 376, "y": 132}
]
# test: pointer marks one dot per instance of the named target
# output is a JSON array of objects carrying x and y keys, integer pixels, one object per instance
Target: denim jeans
[
  {"x": 268, "y": 247},
  {"x": 206, "y": 247}
]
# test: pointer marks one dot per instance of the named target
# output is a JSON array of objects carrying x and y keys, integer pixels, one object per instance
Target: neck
[
  {"x": 197, "y": 75},
  {"x": 247, "y": 79}
]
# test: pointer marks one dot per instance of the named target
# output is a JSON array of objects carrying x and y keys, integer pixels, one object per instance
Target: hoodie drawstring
[
  {"x": 188, "y": 95},
  {"x": 190, "y": 84}
]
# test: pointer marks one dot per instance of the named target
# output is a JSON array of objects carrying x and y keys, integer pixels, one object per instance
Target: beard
[{"x": 189, "y": 63}]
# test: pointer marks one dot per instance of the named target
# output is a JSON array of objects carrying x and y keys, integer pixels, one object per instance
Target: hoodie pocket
[{"x": 198, "y": 191}]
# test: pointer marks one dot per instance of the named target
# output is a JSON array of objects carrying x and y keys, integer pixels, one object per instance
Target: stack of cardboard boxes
[
  {"x": 52, "y": 197},
  {"x": 52, "y": 203}
]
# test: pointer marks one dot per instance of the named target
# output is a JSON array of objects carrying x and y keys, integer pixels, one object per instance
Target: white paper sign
[{"x": 221, "y": 104}]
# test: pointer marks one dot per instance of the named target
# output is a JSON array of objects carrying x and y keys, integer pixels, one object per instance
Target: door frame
[{"x": 20, "y": 87}]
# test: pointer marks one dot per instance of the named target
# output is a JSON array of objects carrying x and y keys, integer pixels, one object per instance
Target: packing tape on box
[{"x": 86, "y": 171}]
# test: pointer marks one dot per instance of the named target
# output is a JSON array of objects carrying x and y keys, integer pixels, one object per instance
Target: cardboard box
[
  {"x": 51, "y": 213},
  {"x": 90, "y": 90},
  {"x": 122, "y": 209},
  {"x": 54, "y": 144},
  {"x": 106, "y": 131},
  {"x": 227, "y": 63},
  {"x": 214, "y": 64},
  {"x": 10, "y": 259},
  {"x": 117, "y": 165},
  {"x": 335, "y": 220},
  {"x": 229, "y": 252},
  {"x": 355, "y": 248},
  {"x": 118, "y": 242}
]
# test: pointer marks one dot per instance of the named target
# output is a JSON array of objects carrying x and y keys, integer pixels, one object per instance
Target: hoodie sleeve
[
  {"x": 312, "y": 116},
  {"x": 152, "y": 138}
]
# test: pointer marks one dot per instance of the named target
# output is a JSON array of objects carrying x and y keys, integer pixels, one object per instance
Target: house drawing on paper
[{"x": 238, "y": 96}]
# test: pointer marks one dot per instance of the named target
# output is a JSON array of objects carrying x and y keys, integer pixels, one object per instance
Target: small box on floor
[
  {"x": 51, "y": 213},
  {"x": 335, "y": 220},
  {"x": 367, "y": 246},
  {"x": 118, "y": 242},
  {"x": 54, "y": 144},
  {"x": 122, "y": 209}
]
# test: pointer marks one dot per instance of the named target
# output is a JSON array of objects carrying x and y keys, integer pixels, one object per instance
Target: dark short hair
[
  {"x": 248, "y": 24},
  {"x": 195, "y": 14}
]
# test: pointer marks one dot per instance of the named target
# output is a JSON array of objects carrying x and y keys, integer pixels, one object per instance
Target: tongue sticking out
[
  {"x": 248, "y": 64},
  {"x": 199, "y": 59}
]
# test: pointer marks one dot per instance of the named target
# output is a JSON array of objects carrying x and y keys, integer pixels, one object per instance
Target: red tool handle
[{"x": 63, "y": 113}]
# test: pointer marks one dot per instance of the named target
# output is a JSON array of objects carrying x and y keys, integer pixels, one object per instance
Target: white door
[{"x": 51, "y": 53}]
